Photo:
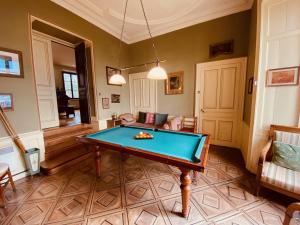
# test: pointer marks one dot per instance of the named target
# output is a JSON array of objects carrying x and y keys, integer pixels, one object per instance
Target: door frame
[
  {"x": 198, "y": 100},
  {"x": 130, "y": 89},
  {"x": 88, "y": 43}
]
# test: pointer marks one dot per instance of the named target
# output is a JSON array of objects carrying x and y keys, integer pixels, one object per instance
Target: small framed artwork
[
  {"x": 221, "y": 48},
  {"x": 109, "y": 72},
  {"x": 6, "y": 101},
  {"x": 250, "y": 86},
  {"x": 283, "y": 76},
  {"x": 11, "y": 63},
  {"x": 105, "y": 103},
  {"x": 115, "y": 98},
  {"x": 174, "y": 83}
]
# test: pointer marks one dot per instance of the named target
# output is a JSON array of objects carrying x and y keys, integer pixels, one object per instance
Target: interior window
[{"x": 71, "y": 84}]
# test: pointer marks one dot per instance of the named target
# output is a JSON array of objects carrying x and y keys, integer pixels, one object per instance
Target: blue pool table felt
[{"x": 186, "y": 146}]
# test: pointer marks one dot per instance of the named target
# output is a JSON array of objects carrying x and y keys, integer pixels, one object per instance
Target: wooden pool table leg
[
  {"x": 97, "y": 160},
  {"x": 185, "y": 180}
]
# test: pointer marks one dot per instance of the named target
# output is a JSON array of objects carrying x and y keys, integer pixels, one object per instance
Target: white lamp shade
[
  {"x": 157, "y": 73},
  {"x": 117, "y": 79}
]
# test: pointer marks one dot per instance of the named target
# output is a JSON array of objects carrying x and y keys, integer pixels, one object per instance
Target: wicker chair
[
  {"x": 290, "y": 217},
  {"x": 272, "y": 176}
]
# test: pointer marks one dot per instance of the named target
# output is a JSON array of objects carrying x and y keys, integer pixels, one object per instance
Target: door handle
[{"x": 202, "y": 111}]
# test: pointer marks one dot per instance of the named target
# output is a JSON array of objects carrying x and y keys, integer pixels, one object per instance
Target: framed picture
[
  {"x": 6, "y": 101},
  {"x": 105, "y": 103},
  {"x": 115, "y": 98},
  {"x": 109, "y": 72},
  {"x": 11, "y": 63},
  {"x": 250, "y": 86},
  {"x": 283, "y": 76},
  {"x": 174, "y": 83},
  {"x": 221, "y": 48}
]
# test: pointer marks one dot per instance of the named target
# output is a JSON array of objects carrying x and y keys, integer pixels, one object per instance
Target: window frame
[{"x": 63, "y": 79}]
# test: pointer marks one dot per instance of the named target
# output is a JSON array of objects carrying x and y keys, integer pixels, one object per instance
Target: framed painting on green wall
[
  {"x": 11, "y": 63},
  {"x": 174, "y": 83},
  {"x": 109, "y": 72}
]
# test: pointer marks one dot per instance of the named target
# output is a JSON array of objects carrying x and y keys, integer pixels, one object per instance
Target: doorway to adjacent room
[{"x": 64, "y": 76}]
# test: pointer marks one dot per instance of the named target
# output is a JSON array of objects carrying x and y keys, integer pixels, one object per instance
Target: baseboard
[{"x": 10, "y": 154}]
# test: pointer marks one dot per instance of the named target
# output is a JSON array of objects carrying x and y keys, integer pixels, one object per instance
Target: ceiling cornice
[
  {"x": 95, "y": 15},
  {"x": 79, "y": 8}
]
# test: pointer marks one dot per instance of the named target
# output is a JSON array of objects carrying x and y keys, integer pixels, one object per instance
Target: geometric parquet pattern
[{"x": 136, "y": 191}]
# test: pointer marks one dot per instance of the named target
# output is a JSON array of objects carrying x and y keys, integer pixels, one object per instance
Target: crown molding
[
  {"x": 79, "y": 9},
  {"x": 96, "y": 15},
  {"x": 177, "y": 26}
]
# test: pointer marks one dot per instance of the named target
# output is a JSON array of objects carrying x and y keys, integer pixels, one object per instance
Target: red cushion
[{"x": 191, "y": 130}]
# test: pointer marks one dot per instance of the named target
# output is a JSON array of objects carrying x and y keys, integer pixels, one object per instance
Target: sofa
[{"x": 175, "y": 123}]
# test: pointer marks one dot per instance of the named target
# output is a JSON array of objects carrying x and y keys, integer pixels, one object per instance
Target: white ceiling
[
  {"x": 164, "y": 15},
  {"x": 63, "y": 55}
]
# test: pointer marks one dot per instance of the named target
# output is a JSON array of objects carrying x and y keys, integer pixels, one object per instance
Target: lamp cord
[
  {"x": 148, "y": 27},
  {"x": 121, "y": 35}
]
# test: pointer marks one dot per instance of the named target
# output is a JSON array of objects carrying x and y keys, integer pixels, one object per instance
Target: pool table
[{"x": 187, "y": 151}]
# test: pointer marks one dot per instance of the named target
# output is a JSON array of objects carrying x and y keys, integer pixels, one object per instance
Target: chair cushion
[
  {"x": 286, "y": 155},
  {"x": 149, "y": 118},
  {"x": 160, "y": 119},
  {"x": 142, "y": 117},
  {"x": 3, "y": 168},
  {"x": 281, "y": 177},
  {"x": 287, "y": 137}
]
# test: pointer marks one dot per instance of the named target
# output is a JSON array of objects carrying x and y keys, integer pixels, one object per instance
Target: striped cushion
[
  {"x": 287, "y": 137},
  {"x": 281, "y": 177}
]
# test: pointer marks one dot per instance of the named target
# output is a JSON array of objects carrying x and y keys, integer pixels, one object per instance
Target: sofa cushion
[
  {"x": 286, "y": 155},
  {"x": 128, "y": 117},
  {"x": 281, "y": 177},
  {"x": 175, "y": 123},
  {"x": 142, "y": 117},
  {"x": 160, "y": 119},
  {"x": 149, "y": 118}
]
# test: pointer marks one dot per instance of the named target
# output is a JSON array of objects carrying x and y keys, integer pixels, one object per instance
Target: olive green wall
[
  {"x": 251, "y": 62},
  {"x": 14, "y": 23},
  {"x": 184, "y": 48}
]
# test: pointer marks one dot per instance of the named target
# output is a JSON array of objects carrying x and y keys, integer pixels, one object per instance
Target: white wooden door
[
  {"x": 142, "y": 93},
  {"x": 219, "y": 101},
  {"x": 45, "y": 82}
]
